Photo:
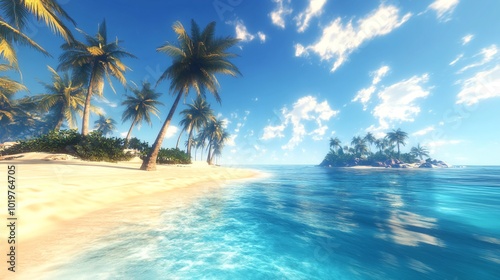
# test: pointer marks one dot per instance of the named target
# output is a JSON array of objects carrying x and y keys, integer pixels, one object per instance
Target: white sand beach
[{"x": 62, "y": 202}]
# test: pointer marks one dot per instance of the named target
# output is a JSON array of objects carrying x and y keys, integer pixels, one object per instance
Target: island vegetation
[
  {"x": 46, "y": 122},
  {"x": 382, "y": 152}
]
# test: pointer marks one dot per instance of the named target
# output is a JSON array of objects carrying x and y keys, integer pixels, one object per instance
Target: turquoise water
[{"x": 307, "y": 222}]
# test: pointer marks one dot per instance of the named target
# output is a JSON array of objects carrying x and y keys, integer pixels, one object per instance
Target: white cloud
[
  {"x": 456, "y": 59},
  {"x": 365, "y": 94},
  {"x": 123, "y": 134},
  {"x": 397, "y": 102},
  {"x": 231, "y": 141},
  {"x": 281, "y": 11},
  {"x": 171, "y": 131},
  {"x": 424, "y": 131},
  {"x": 444, "y": 8},
  {"x": 467, "y": 38},
  {"x": 314, "y": 9},
  {"x": 102, "y": 99},
  {"x": 339, "y": 40},
  {"x": 245, "y": 36},
  {"x": 487, "y": 53},
  {"x": 306, "y": 110},
  {"x": 483, "y": 85}
]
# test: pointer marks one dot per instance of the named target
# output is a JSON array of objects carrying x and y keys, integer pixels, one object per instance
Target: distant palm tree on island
[
  {"x": 399, "y": 137},
  {"x": 92, "y": 63},
  {"x": 420, "y": 151},
  {"x": 140, "y": 105},
  {"x": 196, "y": 61}
]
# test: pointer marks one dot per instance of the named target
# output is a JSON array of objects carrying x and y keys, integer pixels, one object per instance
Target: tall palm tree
[
  {"x": 419, "y": 151},
  {"x": 335, "y": 143},
  {"x": 219, "y": 144},
  {"x": 370, "y": 139},
  {"x": 359, "y": 145},
  {"x": 15, "y": 19},
  {"x": 140, "y": 106},
  {"x": 196, "y": 61},
  {"x": 197, "y": 115},
  {"x": 92, "y": 62},
  {"x": 215, "y": 134},
  {"x": 105, "y": 125},
  {"x": 64, "y": 97},
  {"x": 398, "y": 137}
]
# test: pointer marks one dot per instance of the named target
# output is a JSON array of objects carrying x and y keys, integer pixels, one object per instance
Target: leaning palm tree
[
  {"x": 196, "y": 116},
  {"x": 64, "y": 97},
  {"x": 218, "y": 145},
  {"x": 419, "y": 151},
  {"x": 105, "y": 125},
  {"x": 397, "y": 137},
  {"x": 92, "y": 62},
  {"x": 15, "y": 19},
  {"x": 335, "y": 143},
  {"x": 196, "y": 61},
  {"x": 370, "y": 139},
  {"x": 140, "y": 106}
]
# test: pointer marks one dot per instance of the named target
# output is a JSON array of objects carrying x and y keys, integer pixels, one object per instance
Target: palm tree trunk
[
  {"x": 178, "y": 139},
  {"x": 59, "y": 123},
  {"x": 399, "y": 155},
  {"x": 209, "y": 152},
  {"x": 130, "y": 131},
  {"x": 86, "y": 109},
  {"x": 189, "y": 141},
  {"x": 149, "y": 163}
]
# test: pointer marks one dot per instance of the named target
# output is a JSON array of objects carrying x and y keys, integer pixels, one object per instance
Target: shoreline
[{"x": 62, "y": 205}]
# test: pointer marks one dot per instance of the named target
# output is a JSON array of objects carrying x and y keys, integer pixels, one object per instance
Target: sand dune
[{"x": 59, "y": 196}]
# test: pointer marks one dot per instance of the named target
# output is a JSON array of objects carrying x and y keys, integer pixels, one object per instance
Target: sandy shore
[{"x": 64, "y": 203}]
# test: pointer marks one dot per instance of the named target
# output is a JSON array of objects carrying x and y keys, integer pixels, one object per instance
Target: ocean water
[{"x": 308, "y": 222}]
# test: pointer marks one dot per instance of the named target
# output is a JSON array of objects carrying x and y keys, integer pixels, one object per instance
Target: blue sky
[{"x": 317, "y": 69}]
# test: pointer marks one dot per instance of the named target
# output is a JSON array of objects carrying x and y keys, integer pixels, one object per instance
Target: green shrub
[
  {"x": 172, "y": 156},
  {"x": 95, "y": 147},
  {"x": 53, "y": 142}
]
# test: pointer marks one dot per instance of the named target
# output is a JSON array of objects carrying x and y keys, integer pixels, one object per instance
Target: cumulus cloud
[
  {"x": 281, "y": 11},
  {"x": 307, "y": 110},
  {"x": 444, "y": 8},
  {"x": 365, "y": 94},
  {"x": 171, "y": 131},
  {"x": 483, "y": 85},
  {"x": 467, "y": 38},
  {"x": 340, "y": 39},
  {"x": 487, "y": 55},
  {"x": 398, "y": 101},
  {"x": 244, "y": 35},
  {"x": 314, "y": 9}
]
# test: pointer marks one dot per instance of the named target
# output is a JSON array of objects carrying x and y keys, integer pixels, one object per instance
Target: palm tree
[
  {"x": 105, "y": 125},
  {"x": 397, "y": 136},
  {"x": 213, "y": 133},
  {"x": 369, "y": 138},
  {"x": 15, "y": 19},
  {"x": 64, "y": 97},
  {"x": 420, "y": 151},
  {"x": 360, "y": 147},
  {"x": 93, "y": 61},
  {"x": 198, "y": 115},
  {"x": 196, "y": 61},
  {"x": 218, "y": 145},
  {"x": 140, "y": 106},
  {"x": 8, "y": 88},
  {"x": 335, "y": 142}
]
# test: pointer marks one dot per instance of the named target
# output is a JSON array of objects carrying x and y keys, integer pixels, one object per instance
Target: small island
[{"x": 389, "y": 155}]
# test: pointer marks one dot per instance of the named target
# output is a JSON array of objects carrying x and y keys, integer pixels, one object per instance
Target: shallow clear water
[{"x": 307, "y": 222}]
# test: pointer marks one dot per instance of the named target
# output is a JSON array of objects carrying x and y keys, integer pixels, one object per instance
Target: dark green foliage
[
  {"x": 96, "y": 147},
  {"x": 93, "y": 147},
  {"x": 173, "y": 156},
  {"x": 53, "y": 142}
]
